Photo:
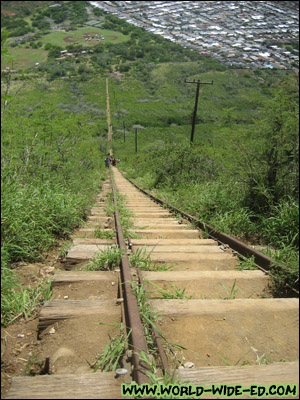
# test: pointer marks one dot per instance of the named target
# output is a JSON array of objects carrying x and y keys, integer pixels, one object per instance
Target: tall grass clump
[
  {"x": 111, "y": 357},
  {"x": 17, "y": 301},
  {"x": 106, "y": 260},
  {"x": 36, "y": 214},
  {"x": 281, "y": 227}
]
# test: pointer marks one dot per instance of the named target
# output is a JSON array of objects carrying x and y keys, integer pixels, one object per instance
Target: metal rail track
[
  {"x": 48, "y": 386},
  {"x": 137, "y": 336},
  {"x": 134, "y": 323},
  {"x": 262, "y": 261},
  {"x": 134, "y": 326},
  {"x": 239, "y": 249}
]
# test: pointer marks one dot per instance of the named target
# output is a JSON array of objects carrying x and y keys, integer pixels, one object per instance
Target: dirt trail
[
  {"x": 230, "y": 319},
  {"x": 72, "y": 329}
]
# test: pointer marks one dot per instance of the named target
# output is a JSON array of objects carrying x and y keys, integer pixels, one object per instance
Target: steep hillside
[{"x": 241, "y": 174}]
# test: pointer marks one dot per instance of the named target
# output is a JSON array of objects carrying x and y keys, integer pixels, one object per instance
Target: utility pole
[
  {"x": 196, "y": 103},
  {"x": 136, "y": 140}
]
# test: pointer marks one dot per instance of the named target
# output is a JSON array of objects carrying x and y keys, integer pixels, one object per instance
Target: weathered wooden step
[
  {"x": 97, "y": 219},
  {"x": 166, "y": 225},
  {"x": 151, "y": 214},
  {"x": 83, "y": 252},
  {"x": 282, "y": 373},
  {"x": 167, "y": 233},
  {"x": 141, "y": 206},
  {"x": 131, "y": 192},
  {"x": 98, "y": 385},
  {"x": 99, "y": 208},
  {"x": 94, "y": 241},
  {"x": 85, "y": 285},
  {"x": 238, "y": 331},
  {"x": 209, "y": 284},
  {"x": 144, "y": 206},
  {"x": 158, "y": 221},
  {"x": 177, "y": 242},
  {"x": 196, "y": 261},
  {"x": 56, "y": 310},
  {"x": 190, "y": 257},
  {"x": 99, "y": 213},
  {"x": 148, "y": 208},
  {"x": 65, "y": 277},
  {"x": 180, "y": 249},
  {"x": 204, "y": 307},
  {"x": 89, "y": 232}
]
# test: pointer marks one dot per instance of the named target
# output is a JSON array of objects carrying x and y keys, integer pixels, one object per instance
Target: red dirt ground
[
  {"x": 6, "y": 12},
  {"x": 69, "y": 39}
]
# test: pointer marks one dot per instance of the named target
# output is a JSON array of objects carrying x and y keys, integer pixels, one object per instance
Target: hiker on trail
[
  {"x": 106, "y": 162},
  {"x": 113, "y": 161},
  {"x": 118, "y": 160}
]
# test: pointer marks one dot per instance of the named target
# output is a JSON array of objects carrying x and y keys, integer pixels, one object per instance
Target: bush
[{"x": 281, "y": 227}]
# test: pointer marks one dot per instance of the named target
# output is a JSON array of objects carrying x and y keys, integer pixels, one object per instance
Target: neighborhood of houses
[{"x": 245, "y": 34}]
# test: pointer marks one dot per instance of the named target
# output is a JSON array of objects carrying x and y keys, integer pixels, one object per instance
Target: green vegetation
[
  {"x": 63, "y": 39},
  {"x": 240, "y": 175},
  {"x": 247, "y": 264},
  {"x": 25, "y": 58},
  {"x": 176, "y": 293},
  {"x": 113, "y": 352},
  {"x": 166, "y": 379},
  {"x": 125, "y": 215},
  {"x": 139, "y": 259},
  {"x": 260, "y": 360},
  {"x": 18, "y": 302},
  {"x": 35, "y": 366},
  {"x": 48, "y": 183},
  {"x": 100, "y": 233},
  {"x": 149, "y": 318},
  {"x": 231, "y": 295},
  {"x": 106, "y": 260}
]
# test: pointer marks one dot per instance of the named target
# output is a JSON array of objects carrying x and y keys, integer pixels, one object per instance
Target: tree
[
  {"x": 54, "y": 52},
  {"x": 270, "y": 166}
]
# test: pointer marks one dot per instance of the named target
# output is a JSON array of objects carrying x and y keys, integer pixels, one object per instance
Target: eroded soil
[{"x": 23, "y": 353}]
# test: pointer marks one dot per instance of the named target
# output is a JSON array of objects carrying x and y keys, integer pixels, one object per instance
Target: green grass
[
  {"x": 111, "y": 357},
  {"x": 149, "y": 320},
  {"x": 231, "y": 294},
  {"x": 105, "y": 260},
  {"x": 57, "y": 37},
  {"x": 17, "y": 301},
  {"x": 260, "y": 360},
  {"x": 48, "y": 183},
  {"x": 139, "y": 259},
  {"x": 25, "y": 58},
  {"x": 166, "y": 379},
  {"x": 247, "y": 264},
  {"x": 100, "y": 233},
  {"x": 54, "y": 140},
  {"x": 161, "y": 293}
]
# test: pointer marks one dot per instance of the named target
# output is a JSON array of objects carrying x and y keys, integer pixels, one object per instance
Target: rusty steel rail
[
  {"x": 134, "y": 323},
  {"x": 157, "y": 339},
  {"x": 263, "y": 261}
]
